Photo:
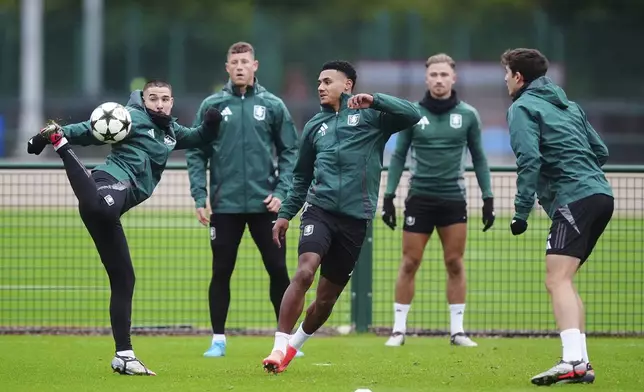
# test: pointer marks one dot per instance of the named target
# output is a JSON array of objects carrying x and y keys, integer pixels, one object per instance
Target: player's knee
[
  {"x": 410, "y": 263},
  {"x": 454, "y": 265},
  {"x": 306, "y": 269},
  {"x": 304, "y": 276},
  {"x": 554, "y": 282},
  {"x": 223, "y": 266}
]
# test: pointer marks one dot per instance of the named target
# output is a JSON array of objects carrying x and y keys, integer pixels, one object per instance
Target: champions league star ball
[{"x": 110, "y": 122}]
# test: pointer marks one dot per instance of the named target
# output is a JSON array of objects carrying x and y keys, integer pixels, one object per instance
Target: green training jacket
[
  {"x": 339, "y": 164},
  {"x": 138, "y": 161},
  {"x": 256, "y": 131}
]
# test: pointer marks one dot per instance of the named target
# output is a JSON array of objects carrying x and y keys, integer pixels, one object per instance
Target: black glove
[
  {"x": 36, "y": 144},
  {"x": 389, "y": 212},
  {"x": 488, "y": 213},
  {"x": 211, "y": 120},
  {"x": 518, "y": 226}
]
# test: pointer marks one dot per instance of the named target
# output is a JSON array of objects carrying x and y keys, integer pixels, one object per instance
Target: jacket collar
[{"x": 344, "y": 99}]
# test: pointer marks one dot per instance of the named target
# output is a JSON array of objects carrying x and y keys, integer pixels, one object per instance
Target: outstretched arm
[
  {"x": 396, "y": 113},
  {"x": 201, "y": 135}
]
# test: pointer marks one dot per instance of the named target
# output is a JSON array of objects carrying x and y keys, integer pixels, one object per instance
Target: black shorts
[
  {"x": 423, "y": 213},
  {"x": 336, "y": 238},
  {"x": 577, "y": 226}
]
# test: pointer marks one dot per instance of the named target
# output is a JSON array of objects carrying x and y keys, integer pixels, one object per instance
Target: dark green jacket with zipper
[
  {"x": 257, "y": 130},
  {"x": 138, "y": 161},
  {"x": 559, "y": 154},
  {"x": 439, "y": 145},
  {"x": 339, "y": 164}
]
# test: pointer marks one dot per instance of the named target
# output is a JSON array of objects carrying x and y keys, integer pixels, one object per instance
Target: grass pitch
[{"x": 342, "y": 364}]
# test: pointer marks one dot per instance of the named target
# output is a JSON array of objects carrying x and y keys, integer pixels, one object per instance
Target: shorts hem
[
  {"x": 565, "y": 252},
  {"x": 311, "y": 247}
]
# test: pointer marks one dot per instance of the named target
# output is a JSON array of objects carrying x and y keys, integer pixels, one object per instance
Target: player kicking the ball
[
  {"x": 559, "y": 156},
  {"x": 437, "y": 195},
  {"x": 128, "y": 177},
  {"x": 337, "y": 173}
]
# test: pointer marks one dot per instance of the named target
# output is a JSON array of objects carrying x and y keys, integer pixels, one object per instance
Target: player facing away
[
  {"x": 336, "y": 178},
  {"x": 246, "y": 188},
  {"x": 127, "y": 178},
  {"x": 559, "y": 157},
  {"x": 437, "y": 196}
]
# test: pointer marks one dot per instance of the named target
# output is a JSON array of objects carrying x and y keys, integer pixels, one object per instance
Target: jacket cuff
[
  {"x": 522, "y": 213},
  {"x": 200, "y": 203},
  {"x": 284, "y": 215}
]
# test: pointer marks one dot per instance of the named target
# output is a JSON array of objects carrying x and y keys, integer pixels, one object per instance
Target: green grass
[
  {"x": 50, "y": 275},
  {"x": 62, "y": 363}
]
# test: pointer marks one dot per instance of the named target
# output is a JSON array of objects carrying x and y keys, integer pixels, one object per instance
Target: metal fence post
[{"x": 361, "y": 286}]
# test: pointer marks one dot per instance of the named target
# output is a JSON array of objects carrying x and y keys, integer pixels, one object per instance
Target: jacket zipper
[
  {"x": 243, "y": 119},
  {"x": 337, "y": 138}
]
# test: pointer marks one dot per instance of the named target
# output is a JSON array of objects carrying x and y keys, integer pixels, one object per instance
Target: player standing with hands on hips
[
  {"x": 437, "y": 197},
  {"x": 128, "y": 177},
  {"x": 246, "y": 187},
  {"x": 559, "y": 157},
  {"x": 336, "y": 178}
]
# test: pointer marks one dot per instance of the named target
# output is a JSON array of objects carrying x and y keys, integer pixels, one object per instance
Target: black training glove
[
  {"x": 36, "y": 144},
  {"x": 488, "y": 213},
  {"x": 389, "y": 212},
  {"x": 211, "y": 120},
  {"x": 518, "y": 226}
]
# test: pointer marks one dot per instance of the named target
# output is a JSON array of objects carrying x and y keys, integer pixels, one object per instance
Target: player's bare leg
[
  {"x": 413, "y": 248},
  {"x": 317, "y": 314},
  {"x": 291, "y": 308},
  {"x": 453, "y": 239},
  {"x": 560, "y": 271}
]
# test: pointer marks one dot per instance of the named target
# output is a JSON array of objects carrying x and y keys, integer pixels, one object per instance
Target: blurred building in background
[{"x": 593, "y": 45}]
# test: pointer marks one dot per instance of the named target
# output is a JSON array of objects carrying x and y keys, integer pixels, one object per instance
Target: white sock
[
  {"x": 456, "y": 313},
  {"x": 297, "y": 340},
  {"x": 400, "y": 317},
  {"x": 571, "y": 342},
  {"x": 584, "y": 350},
  {"x": 218, "y": 338},
  {"x": 126, "y": 353},
  {"x": 281, "y": 341}
]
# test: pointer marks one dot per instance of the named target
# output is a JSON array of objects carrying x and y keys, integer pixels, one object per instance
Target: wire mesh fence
[{"x": 51, "y": 278}]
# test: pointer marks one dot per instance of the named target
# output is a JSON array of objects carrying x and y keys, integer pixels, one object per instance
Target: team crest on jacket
[
  {"x": 169, "y": 141},
  {"x": 353, "y": 119},
  {"x": 259, "y": 112},
  {"x": 455, "y": 120}
]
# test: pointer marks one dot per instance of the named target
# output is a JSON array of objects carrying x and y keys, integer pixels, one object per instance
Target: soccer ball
[{"x": 110, "y": 122}]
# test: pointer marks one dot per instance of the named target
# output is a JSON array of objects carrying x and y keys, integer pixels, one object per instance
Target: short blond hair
[
  {"x": 440, "y": 58},
  {"x": 241, "y": 47}
]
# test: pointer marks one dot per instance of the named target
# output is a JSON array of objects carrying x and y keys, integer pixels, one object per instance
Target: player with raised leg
[
  {"x": 128, "y": 177},
  {"x": 336, "y": 178},
  {"x": 437, "y": 197},
  {"x": 559, "y": 157}
]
